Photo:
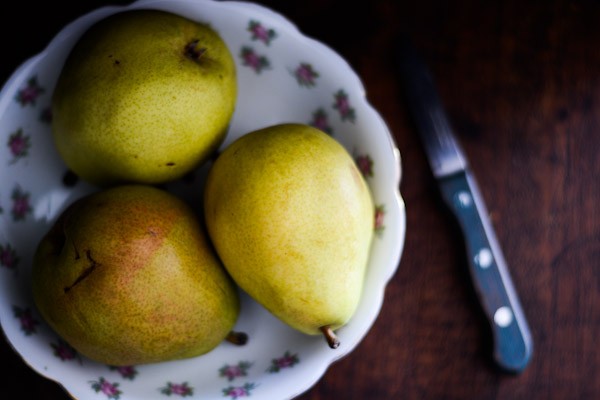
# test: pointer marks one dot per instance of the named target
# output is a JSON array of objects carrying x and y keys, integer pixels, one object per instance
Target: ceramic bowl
[{"x": 283, "y": 76}]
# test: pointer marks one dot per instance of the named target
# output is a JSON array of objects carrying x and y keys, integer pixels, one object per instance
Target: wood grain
[{"x": 521, "y": 84}]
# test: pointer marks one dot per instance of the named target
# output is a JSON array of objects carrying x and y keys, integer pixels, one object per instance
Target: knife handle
[{"x": 491, "y": 279}]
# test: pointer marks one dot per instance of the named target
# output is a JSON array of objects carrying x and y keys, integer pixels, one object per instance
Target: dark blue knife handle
[{"x": 493, "y": 285}]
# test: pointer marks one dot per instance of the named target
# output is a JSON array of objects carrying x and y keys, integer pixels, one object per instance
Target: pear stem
[
  {"x": 330, "y": 336},
  {"x": 237, "y": 338},
  {"x": 193, "y": 52}
]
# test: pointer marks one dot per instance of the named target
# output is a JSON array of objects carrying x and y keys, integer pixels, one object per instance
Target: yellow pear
[
  {"x": 144, "y": 97},
  {"x": 291, "y": 218},
  {"x": 126, "y": 276}
]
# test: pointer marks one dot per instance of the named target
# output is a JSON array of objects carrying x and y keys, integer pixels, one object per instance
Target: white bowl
[{"x": 283, "y": 77}]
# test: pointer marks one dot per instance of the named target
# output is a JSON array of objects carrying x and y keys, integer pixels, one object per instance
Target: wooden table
[{"x": 521, "y": 84}]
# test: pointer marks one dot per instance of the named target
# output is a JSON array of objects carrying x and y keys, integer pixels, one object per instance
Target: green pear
[
  {"x": 127, "y": 276},
  {"x": 145, "y": 96},
  {"x": 291, "y": 218}
]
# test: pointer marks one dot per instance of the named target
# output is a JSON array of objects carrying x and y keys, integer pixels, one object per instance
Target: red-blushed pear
[
  {"x": 144, "y": 97},
  {"x": 127, "y": 276},
  {"x": 291, "y": 218}
]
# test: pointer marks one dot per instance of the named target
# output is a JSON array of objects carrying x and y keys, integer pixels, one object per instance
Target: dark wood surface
[{"x": 521, "y": 84}]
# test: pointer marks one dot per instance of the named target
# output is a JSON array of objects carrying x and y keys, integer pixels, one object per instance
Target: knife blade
[{"x": 493, "y": 285}]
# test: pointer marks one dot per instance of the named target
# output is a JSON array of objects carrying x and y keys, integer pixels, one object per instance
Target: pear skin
[
  {"x": 145, "y": 96},
  {"x": 126, "y": 276},
  {"x": 291, "y": 218}
]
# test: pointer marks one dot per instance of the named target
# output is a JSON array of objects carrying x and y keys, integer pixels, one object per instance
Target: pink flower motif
[
  {"x": 261, "y": 33},
  {"x": 287, "y": 361},
  {"x": 320, "y": 121},
  {"x": 28, "y": 323},
  {"x": 64, "y": 351},
  {"x": 306, "y": 75},
  {"x": 127, "y": 371},
  {"x": 253, "y": 60},
  {"x": 29, "y": 93},
  {"x": 18, "y": 144},
  {"x": 109, "y": 389},
  {"x": 8, "y": 256},
  {"x": 21, "y": 206},
  {"x": 342, "y": 104},
  {"x": 180, "y": 389},
  {"x": 365, "y": 165},
  {"x": 379, "y": 216},
  {"x": 236, "y": 392},
  {"x": 235, "y": 371}
]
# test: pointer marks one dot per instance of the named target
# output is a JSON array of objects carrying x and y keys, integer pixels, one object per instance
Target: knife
[{"x": 491, "y": 279}]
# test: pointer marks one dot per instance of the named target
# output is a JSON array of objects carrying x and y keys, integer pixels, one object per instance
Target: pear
[
  {"x": 144, "y": 96},
  {"x": 291, "y": 218},
  {"x": 127, "y": 276}
]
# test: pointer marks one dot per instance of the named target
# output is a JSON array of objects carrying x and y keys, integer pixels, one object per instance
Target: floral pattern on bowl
[{"x": 283, "y": 77}]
